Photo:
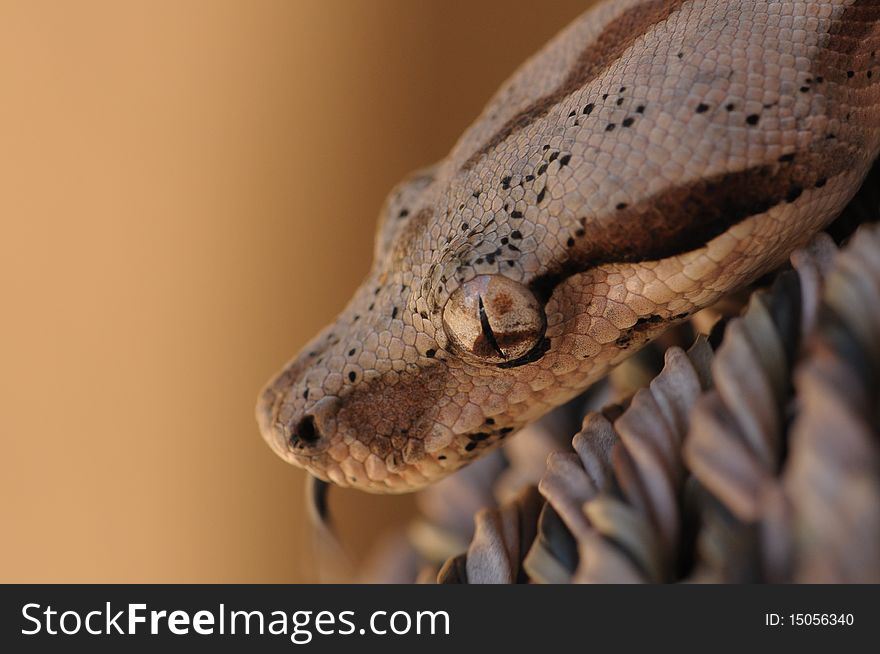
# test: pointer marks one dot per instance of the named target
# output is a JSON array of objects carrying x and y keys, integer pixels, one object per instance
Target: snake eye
[{"x": 494, "y": 319}]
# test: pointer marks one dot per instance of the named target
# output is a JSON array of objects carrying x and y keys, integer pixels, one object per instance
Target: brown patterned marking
[
  {"x": 617, "y": 37},
  {"x": 851, "y": 52},
  {"x": 849, "y": 31},
  {"x": 405, "y": 242},
  {"x": 501, "y": 342},
  {"x": 684, "y": 218},
  {"x": 403, "y": 406},
  {"x": 502, "y": 303}
]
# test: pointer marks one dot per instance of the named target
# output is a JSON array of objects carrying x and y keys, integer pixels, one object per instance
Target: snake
[{"x": 652, "y": 157}]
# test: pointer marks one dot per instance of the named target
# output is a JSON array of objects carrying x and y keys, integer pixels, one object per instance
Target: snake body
[{"x": 654, "y": 156}]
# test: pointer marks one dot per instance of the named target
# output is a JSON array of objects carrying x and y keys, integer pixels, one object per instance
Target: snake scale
[{"x": 652, "y": 157}]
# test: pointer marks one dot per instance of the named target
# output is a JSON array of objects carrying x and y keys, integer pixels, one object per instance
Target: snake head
[
  {"x": 453, "y": 342},
  {"x": 387, "y": 400},
  {"x": 592, "y": 205}
]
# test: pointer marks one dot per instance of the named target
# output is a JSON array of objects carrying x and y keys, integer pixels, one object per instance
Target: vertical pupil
[{"x": 487, "y": 329}]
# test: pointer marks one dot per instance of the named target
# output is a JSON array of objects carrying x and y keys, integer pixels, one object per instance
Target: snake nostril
[{"x": 305, "y": 433}]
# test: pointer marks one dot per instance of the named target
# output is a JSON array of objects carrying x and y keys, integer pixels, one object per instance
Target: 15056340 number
[{"x": 821, "y": 619}]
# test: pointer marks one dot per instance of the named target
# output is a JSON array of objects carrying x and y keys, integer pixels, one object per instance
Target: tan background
[{"x": 188, "y": 192}]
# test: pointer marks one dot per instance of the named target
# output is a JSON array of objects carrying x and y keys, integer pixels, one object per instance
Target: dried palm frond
[{"x": 831, "y": 481}]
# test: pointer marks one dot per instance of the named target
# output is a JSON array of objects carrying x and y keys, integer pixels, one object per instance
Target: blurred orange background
[{"x": 188, "y": 191}]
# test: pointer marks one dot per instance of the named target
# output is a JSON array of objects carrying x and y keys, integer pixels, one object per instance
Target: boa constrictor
[{"x": 654, "y": 156}]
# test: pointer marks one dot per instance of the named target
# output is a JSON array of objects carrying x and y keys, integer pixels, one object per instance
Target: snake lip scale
[{"x": 652, "y": 157}]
